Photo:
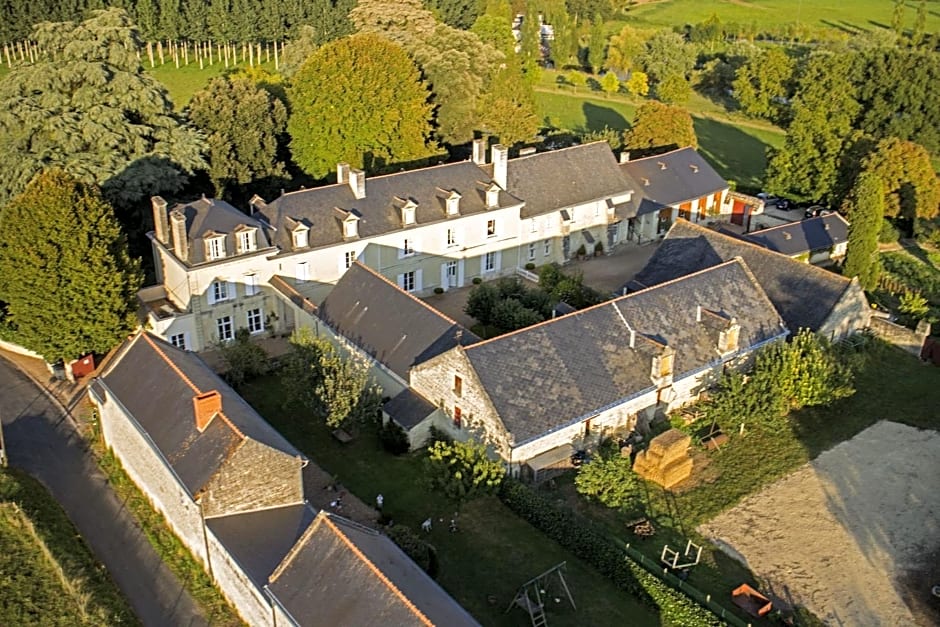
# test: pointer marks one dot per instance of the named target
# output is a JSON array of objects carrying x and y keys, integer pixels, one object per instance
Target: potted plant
[
  {"x": 581, "y": 252},
  {"x": 598, "y": 249}
]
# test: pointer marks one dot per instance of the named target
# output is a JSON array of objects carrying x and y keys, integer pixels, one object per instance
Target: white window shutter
[
  {"x": 210, "y": 293},
  {"x": 497, "y": 261},
  {"x": 231, "y": 294},
  {"x": 401, "y": 281},
  {"x": 419, "y": 280}
]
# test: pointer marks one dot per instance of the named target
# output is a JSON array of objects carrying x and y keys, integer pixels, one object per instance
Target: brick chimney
[
  {"x": 205, "y": 407},
  {"x": 501, "y": 165},
  {"x": 479, "y": 151},
  {"x": 178, "y": 230},
  {"x": 161, "y": 226},
  {"x": 342, "y": 172},
  {"x": 357, "y": 183}
]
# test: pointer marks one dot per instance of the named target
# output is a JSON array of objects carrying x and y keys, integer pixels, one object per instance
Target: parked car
[
  {"x": 816, "y": 210},
  {"x": 783, "y": 204}
]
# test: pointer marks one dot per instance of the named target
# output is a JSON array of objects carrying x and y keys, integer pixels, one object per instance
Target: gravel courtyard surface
[{"x": 853, "y": 535}]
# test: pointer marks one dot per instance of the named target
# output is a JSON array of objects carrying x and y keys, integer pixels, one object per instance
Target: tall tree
[
  {"x": 761, "y": 85},
  {"x": 907, "y": 176},
  {"x": 242, "y": 123},
  {"x": 457, "y": 13},
  {"x": 360, "y": 100},
  {"x": 597, "y": 45},
  {"x": 65, "y": 273},
  {"x": 530, "y": 43},
  {"x": 920, "y": 24},
  {"x": 823, "y": 111},
  {"x": 659, "y": 128},
  {"x": 148, "y": 20},
  {"x": 667, "y": 54},
  {"x": 865, "y": 210},
  {"x": 509, "y": 112},
  {"x": 625, "y": 48},
  {"x": 897, "y": 18},
  {"x": 301, "y": 46},
  {"x": 88, "y": 107}
]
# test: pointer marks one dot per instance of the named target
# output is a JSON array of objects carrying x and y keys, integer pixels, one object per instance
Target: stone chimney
[
  {"x": 661, "y": 371},
  {"x": 357, "y": 183},
  {"x": 479, "y": 151},
  {"x": 178, "y": 230},
  {"x": 342, "y": 172},
  {"x": 257, "y": 204},
  {"x": 205, "y": 408},
  {"x": 161, "y": 226},
  {"x": 728, "y": 339},
  {"x": 501, "y": 165},
  {"x": 625, "y": 156}
]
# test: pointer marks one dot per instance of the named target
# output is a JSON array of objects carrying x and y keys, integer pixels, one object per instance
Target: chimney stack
[
  {"x": 178, "y": 229},
  {"x": 161, "y": 227},
  {"x": 698, "y": 313},
  {"x": 357, "y": 183},
  {"x": 479, "y": 151},
  {"x": 342, "y": 172},
  {"x": 205, "y": 407},
  {"x": 501, "y": 165},
  {"x": 625, "y": 156}
]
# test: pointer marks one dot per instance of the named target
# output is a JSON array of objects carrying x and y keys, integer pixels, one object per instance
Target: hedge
[{"x": 596, "y": 547}]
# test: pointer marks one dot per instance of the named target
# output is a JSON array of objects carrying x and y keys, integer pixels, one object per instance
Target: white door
[{"x": 451, "y": 274}]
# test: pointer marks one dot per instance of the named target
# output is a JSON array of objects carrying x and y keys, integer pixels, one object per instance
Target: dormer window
[
  {"x": 492, "y": 196},
  {"x": 661, "y": 372},
  {"x": 301, "y": 239},
  {"x": 215, "y": 247},
  {"x": 728, "y": 339},
  {"x": 351, "y": 228},
  {"x": 408, "y": 215},
  {"x": 247, "y": 240},
  {"x": 349, "y": 221},
  {"x": 453, "y": 204}
]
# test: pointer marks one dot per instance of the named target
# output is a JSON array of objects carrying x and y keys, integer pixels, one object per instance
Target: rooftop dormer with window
[
  {"x": 452, "y": 203},
  {"x": 349, "y": 223},
  {"x": 723, "y": 329},
  {"x": 215, "y": 245},
  {"x": 492, "y": 195},
  {"x": 300, "y": 235},
  {"x": 407, "y": 208},
  {"x": 246, "y": 239}
]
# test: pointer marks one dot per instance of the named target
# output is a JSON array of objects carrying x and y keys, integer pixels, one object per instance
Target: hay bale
[{"x": 667, "y": 460}]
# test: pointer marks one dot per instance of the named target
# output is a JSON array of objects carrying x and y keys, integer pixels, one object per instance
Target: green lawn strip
[
  {"x": 184, "y": 81},
  {"x": 168, "y": 546},
  {"x": 494, "y": 552},
  {"x": 48, "y": 576}
]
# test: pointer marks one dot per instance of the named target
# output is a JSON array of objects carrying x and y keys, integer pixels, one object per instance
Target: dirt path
[{"x": 850, "y": 535}]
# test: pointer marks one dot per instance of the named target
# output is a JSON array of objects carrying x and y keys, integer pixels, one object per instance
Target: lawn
[
  {"x": 488, "y": 559},
  {"x": 49, "y": 577},
  {"x": 891, "y": 385},
  {"x": 854, "y": 16},
  {"x": 736, "y": 148},
  {"x": 186, "y": 80}
]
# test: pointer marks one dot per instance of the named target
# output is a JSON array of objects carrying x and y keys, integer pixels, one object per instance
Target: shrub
[
  {"x": 609, "y": 479},
  {"x": 437, "y": 435},
  {"x": 530, "y": 266},
  {"x": 889, "y": 233},
  {"x": 581, "y": 251},
  {"x": 438, "y": 290},
  {"x": 598, "y": 248},
  {"x": 477, "y": 280},
  {"x": 463, "y": 470},
  {"x": 244, "y": 360},
  {"x": 423, "y": 553},
  {"x": 914, "y": 305},
  {"x": 394, "y": 439}
]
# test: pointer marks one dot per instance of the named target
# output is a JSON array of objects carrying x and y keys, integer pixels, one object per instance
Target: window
[
  {"x": 458, "y": 385},
  {"x": 224, "y": 327},
  {"x": 664, "y": 220},
  {"x": 255, "y": 321},
  {"x": 300, "y": 238},
  {"x": 302, "y": 272},
  {"x": 532, "y": 251},
  {"x": 408, "y": 248},
  {"x": 350, "y": 228},
  {"x": 251, "y": 284},
  {"x": 408, "y": 215},
  {"x": 451, "y": 237},
  {"x": 457, "y": 417},
  {"x": 685, "y": 211},
  {"x": 349, "y": 257},
  {"x": 491, "y": 228},
  {"x": 547, "y": 247},
  {"x": 408, "y": 281},
  {"x": 489, "y": 262},
  {"x": 532, "y": 226},
  {"x": 219, "y": 291},
  {"x": 215, "y": 247},
  {"x": 597, "y": 210},
  {"x": 178, "y": 340},
  {"x": 246, "y": 241}
]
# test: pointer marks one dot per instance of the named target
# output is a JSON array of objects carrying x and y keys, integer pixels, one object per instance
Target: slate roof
[
  {"x": 147, "y": 378},
  {"x": 686, "y": 176},
  {"x": 208, "y": 215},
  {"x": 340, "y": 573},
  {"x": 379, "y": 211},
  {"x": 388, "y": 323},
  {"x": 553, "y": 180},
  {"x": 811, "y": 234},
  {"x": 544, "y": 377},
  {"x": 259, "y": 540},
  {"x": 408, "y": 408},
  {"x": 804, "y": 294}
]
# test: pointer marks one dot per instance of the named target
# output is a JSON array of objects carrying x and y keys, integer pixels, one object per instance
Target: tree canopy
[
  {"x": 360, "y": 100},
  {"x": 242, "y": 123},
  {"x": 658, "y": 128},
  {"x": 86, "y": 106},
  {"x": 509, "y": 111},
  {"x": 65, "y": 273},
  {"x": 864, "y": 209},
  {"x": 463, "y": 470},
  {"x": 761, "y": 84},
  {"x": 910, "y": 183}
]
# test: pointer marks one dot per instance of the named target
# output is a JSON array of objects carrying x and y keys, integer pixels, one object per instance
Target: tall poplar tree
[
  {"x": 864, "y": 210},
  {"x": 65, "y": 273}
]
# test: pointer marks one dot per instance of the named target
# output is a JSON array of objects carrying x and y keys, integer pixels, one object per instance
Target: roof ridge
[
  {"x": 409, "y": 294},
  {"x": 791, "y": 224},
  {"x": 375, "y": 570},
  {"x": 381, "y": 176},
  {"x": 188, "y": 382},
  {"x": 294, "y": 550},
  {"x": 663, "y": 154},
  {"x": 599, "y": 305},
  {"x": 757, "y": 247}
]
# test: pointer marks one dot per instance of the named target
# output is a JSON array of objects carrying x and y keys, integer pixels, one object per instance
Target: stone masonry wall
[{"x": 252, "y": 604}]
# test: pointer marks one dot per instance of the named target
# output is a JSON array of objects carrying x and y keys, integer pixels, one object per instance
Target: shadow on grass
[
  {"x": 599, "y": 117},
  {"x": 734, "y": 153}
]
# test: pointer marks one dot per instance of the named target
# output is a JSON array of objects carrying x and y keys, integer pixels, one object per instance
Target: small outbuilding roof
[
  {"x": 805, "y": 236},
  {"x": 672, "y": 178}
]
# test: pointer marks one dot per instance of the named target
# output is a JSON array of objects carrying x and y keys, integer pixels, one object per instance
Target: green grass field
[
  {"x": 843, "y": 15},
  {"x": 48, "y": 575},
  {"x": 493, "y": 554}
]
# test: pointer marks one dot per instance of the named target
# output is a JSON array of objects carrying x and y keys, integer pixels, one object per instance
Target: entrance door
[
  {"x": 738, "y": 212},
  {"x": 451, "y": 274}
]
